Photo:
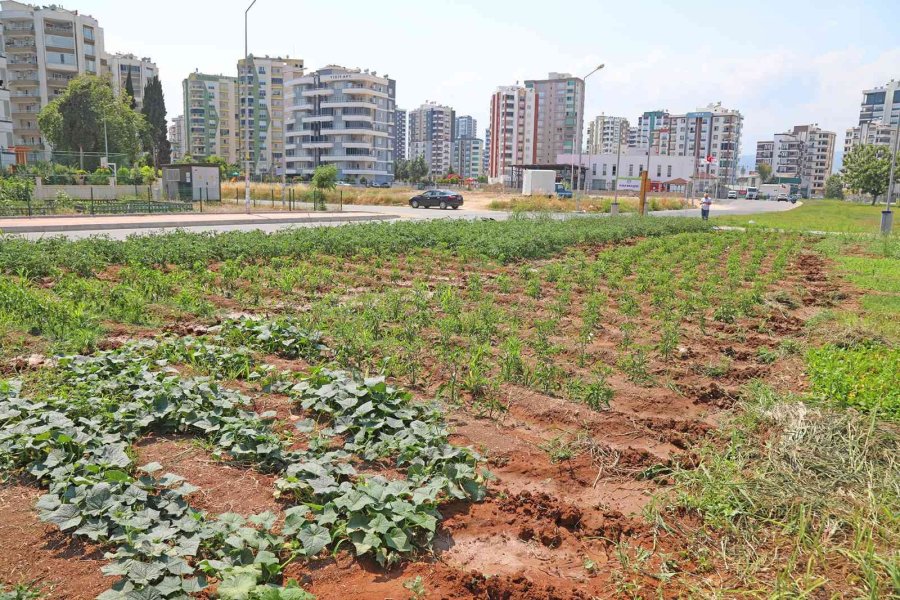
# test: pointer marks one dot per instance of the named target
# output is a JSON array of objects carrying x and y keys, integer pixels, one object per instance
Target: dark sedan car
[{"x": 441, "y": 198}]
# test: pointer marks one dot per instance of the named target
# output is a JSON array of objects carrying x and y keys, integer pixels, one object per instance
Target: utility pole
[
  {"x": 614, "y": 209},
  {"x": 247, "y": 112},
  {"x": 575, "y": 140}
]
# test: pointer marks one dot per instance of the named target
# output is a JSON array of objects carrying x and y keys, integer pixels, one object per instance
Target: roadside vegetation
[
  {"x": 835, "y": 216},
  {"x": 588, "y": 204},
  {"x": 675, "y": 411}
]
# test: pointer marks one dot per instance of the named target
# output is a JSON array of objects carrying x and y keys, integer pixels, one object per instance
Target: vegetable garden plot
[{"x": 584, "y": 379}]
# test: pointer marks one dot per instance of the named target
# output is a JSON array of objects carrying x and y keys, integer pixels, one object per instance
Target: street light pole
[
  {"x": 247, "y": 113},
  {"x": 614, "y": 209},
  {"x": 887, "y": 216},
  {"x": 575, "y": 139}
]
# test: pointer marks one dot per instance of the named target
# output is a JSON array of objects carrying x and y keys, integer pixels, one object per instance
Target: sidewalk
[{"x": 109, "y": 222}]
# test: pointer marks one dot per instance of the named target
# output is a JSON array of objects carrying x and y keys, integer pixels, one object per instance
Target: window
[
  {"x": 658, "y": 171},
  {"x": 614, "y": 170},
  {"x": 604, "y": 169},
  {"x": 261, "y": 70},
  {"x": 669, "y": 171},
  {"x": 630, "y": 170},
  {"x": 874, "y": 98}
]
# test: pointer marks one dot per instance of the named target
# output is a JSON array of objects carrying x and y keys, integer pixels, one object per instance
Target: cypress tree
[
  {"x": 129, "y": 89},
  {"x": 154, "y": 110}
]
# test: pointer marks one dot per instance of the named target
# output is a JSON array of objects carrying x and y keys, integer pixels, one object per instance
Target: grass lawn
[{"x": 815, "y": 215}]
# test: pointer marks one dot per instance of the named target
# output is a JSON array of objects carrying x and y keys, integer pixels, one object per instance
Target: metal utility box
[
  {"x": 539, "y": 183},
  {"x": 192, "y": 182}
]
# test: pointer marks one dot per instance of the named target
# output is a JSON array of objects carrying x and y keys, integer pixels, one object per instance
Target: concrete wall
[{"x": 100, "y": 192}]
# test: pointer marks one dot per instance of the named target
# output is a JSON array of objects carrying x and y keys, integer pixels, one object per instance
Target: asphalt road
[{"x": 730, "y": 207}]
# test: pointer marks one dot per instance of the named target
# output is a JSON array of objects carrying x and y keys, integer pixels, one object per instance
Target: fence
[
  {"x": 96, "y": 192},
  {"x": 96, "y": 207}
]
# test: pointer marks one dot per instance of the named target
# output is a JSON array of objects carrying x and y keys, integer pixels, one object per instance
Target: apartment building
[
  {"x": 803, "y": 156},
  {"x": 870, "y": 133},
  {"x": 466, "y": 127},
  {"x": 559, "y": 102},
  {"x": 345, "y": 117},
  {"x": 261, "y": 108},
  {"x": 486, "y": 155},
  {"x": 176, "y": 137},
  {"x": 652, "y": 131},
  {"x": 142, "y": 70},
  {"x": 712, "y": 131},
  {"x": 46, "y": 47},
  {"x": 606, "y": 133},
  {"x": 400, "y": 119},
  {"x": 881, "y": 104},
  {"x": 468, "y": 155},
  {"x": 431, "y": 136},
  {"x": 7, "y": 156},
  {"x": 210, "y": 117},
  {"x": 513, "y": 135}
]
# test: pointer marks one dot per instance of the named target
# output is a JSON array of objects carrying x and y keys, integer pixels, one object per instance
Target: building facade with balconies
[
  {"x": 46, "y": 47},
  {"x": 142, "y": 70},
  {"x": 400, "y": 120},
  {"x": 513, "y": 135},
  {"x": 431, "y": 134},
  {"x": 803, "y": 157},
  {"x": 210, "y": 117},
  {"x": 176, "y": 137},
  {"x": 345, "y": 117},
  {"x": 606, "y": 134},
  {"x": 7, "y": 156},
  {"x": 559, "y": 102},
  {"x": 467, "y": 158},
  {"x": 466, "y": 127},
  {"x": 873, "y": 133},
  {"x": 881, "y": 104},
  {"x": 261, "y": 86},
  {"x": 710, "y": 132}
]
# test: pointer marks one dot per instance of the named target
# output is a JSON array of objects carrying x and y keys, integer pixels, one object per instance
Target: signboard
[{"x": 629, "y": 184}]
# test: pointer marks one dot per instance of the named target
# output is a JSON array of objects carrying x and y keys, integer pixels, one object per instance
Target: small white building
[{"x": 667, "y": 173}]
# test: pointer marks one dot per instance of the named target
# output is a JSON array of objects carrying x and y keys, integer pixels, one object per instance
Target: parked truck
[
  {"x": 752, "y": 193},
  {"x": 771, "y": 191}
]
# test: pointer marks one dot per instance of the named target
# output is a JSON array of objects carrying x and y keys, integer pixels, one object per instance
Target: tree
[
  {"x": 324, "y": 179},
  {"x": 867, "y": 169},
  {"x": 834, "y": 187},
  {"x": 129, "y": 89},
  {"x": 418, "y": 169},
  {"x": 74, "y": 122},
  {"x": 401, "y": 170},
  {"x": 765, "y": 172},
  {"x": 154, "y": 110}
]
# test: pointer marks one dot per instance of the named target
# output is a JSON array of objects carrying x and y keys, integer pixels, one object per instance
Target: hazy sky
[{"x": 781, "y": 62}]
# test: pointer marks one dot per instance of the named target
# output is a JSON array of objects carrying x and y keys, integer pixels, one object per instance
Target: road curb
[{"x": 62, "y": 228}]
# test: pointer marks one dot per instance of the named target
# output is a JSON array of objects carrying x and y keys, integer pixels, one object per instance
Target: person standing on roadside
[{"x": 705, "y": 204}]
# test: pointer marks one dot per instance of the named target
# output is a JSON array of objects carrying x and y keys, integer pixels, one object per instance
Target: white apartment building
[
  {"x": 345, "y": 117},
  {"x": 559, "y": 103},
  {"x": 431, "y": 136},
  {"x": 667, "y": 173},
  {"x": 142, "y": 70},
  {"x": 652, "y": 130},
  {"x": 468, "y": 155},
  {"x": 400, "y": 141},
  {"x": 7, "y": 156},
  {"x": 605, "y": 133},
  {"x": 803, "y": 156},
  {"x": 210, "y": 117},
  {"x": 870, "y": 133},
  {"x": 261, "y": 91},
  {"x": 46, "y": 47},
  {"x": 513, "y": 136},
  {"x": 176, "y": 137},
  {"x": 881, "y": 104}
]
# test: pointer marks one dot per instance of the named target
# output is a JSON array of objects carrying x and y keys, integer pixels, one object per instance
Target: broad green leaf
[{"x": 314, "y": 538}]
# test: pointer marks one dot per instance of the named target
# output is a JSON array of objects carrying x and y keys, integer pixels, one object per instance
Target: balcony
[
  {"x": 317, "y": 92},
  {"x": 59, "y": 30},
  {"x": 343, "y": 102},
  {"x": 347, "y": 158},
  {"x": 318, "y": 119},
  {"x": 11, "y": 29}
]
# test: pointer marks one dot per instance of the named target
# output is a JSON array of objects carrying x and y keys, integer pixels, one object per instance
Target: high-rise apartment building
[
  {"x": 400, "y": 134},
  {"x": 652, "y": 131},
  {"x": 431, "y": 136},
  {"x": 210, "y": 117},
  {"x": 466, "y": 127},
  {"x": 870, "y": 133},
  {"x": 559, "y": 101},
  {"x": 261, "y": 92},
  {"x": 486, "y": 155},
  {"x": 514, "y": 132},
  {"x": 468, "y": 155},
  {"x": 7, "y": 156},
  {"x": 176, "y": 137},
  {"x": 605, "y": 134},
  {"x": 881, "y": 104},
  {"x": 803, "y": 156},
  {"x": 710, "y": 132},
  {"x": 46, "y": 47},
  {"x": 344, "y": 117},
  {"x": 142, "y": 70}
]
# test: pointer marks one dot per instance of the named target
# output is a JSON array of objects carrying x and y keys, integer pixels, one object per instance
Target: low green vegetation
[
  {"x": 791, "y": 495},
  {"x": 814, "y": 215},
  {"x": 864, "y": 376}
]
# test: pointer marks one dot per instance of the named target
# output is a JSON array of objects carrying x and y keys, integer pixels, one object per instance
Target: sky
[{"x": 781, "y": 63}]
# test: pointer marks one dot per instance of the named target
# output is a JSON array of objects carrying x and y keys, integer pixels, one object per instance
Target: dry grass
[
  {"x": 347, "y": 195},
  {"x": 596, "y": 205}
]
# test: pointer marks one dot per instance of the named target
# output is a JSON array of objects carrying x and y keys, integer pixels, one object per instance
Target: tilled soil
[{"x": 555, "y": 525}]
